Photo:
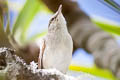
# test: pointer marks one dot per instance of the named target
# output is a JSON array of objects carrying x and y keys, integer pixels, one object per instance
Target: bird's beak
[
  {"x": 56, "y": 14},
  {"x": 60, "y": 9}
]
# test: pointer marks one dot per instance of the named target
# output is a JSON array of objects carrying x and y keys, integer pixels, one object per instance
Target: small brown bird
[{"x": 56, "y": 47}]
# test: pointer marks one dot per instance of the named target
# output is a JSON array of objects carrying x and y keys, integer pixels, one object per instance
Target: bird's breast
[{"x": 58, "y": 54}]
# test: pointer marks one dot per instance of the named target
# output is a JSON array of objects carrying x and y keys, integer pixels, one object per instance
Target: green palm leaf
[
  {"x": 24, "y": 19},
  {"x": 111, "y": 28}
]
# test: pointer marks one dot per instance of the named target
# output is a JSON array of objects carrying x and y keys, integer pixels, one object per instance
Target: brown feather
[{"x": 40, "y": 62}]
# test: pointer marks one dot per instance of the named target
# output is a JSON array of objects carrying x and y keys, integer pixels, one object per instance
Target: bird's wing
[{"x": 42, "y": 48}]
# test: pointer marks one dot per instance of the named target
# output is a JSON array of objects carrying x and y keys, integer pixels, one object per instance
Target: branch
[{"x": 14, "y": 68}]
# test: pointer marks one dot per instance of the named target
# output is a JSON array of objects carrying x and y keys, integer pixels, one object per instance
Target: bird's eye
[{"x": 52, "y": 19}]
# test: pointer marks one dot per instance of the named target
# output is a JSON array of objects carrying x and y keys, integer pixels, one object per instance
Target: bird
[{"x": 57, "y": 46}]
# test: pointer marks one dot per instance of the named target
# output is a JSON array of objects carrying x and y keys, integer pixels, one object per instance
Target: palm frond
[
  {"x": 24, "y": 19},
  {"x": 4, "y": 42},
  {"x": 111, "y": 28}
]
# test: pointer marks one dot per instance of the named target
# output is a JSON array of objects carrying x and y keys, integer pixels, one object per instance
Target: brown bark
[{"x": 88, "y": 36}]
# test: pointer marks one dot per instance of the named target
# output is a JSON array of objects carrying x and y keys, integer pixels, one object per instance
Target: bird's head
[{"x": 57, "y": 21}]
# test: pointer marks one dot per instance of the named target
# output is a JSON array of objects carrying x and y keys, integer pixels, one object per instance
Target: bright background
[{"x": 94, "y": 8}]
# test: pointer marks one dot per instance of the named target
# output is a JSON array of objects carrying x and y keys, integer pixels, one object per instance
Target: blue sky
[
  {"x": 93, "y": 8},
  {"x": 96, "y": 8}
]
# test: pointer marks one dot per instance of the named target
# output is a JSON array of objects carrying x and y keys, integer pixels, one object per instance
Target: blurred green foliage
[
  {"x": 24, "y": 19},
  {"x": 113, "y": 4},
  {"x": 111, "y": 28},
  {"x": 27, "y": 14},
  {"x": 103, "y": 73}
]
